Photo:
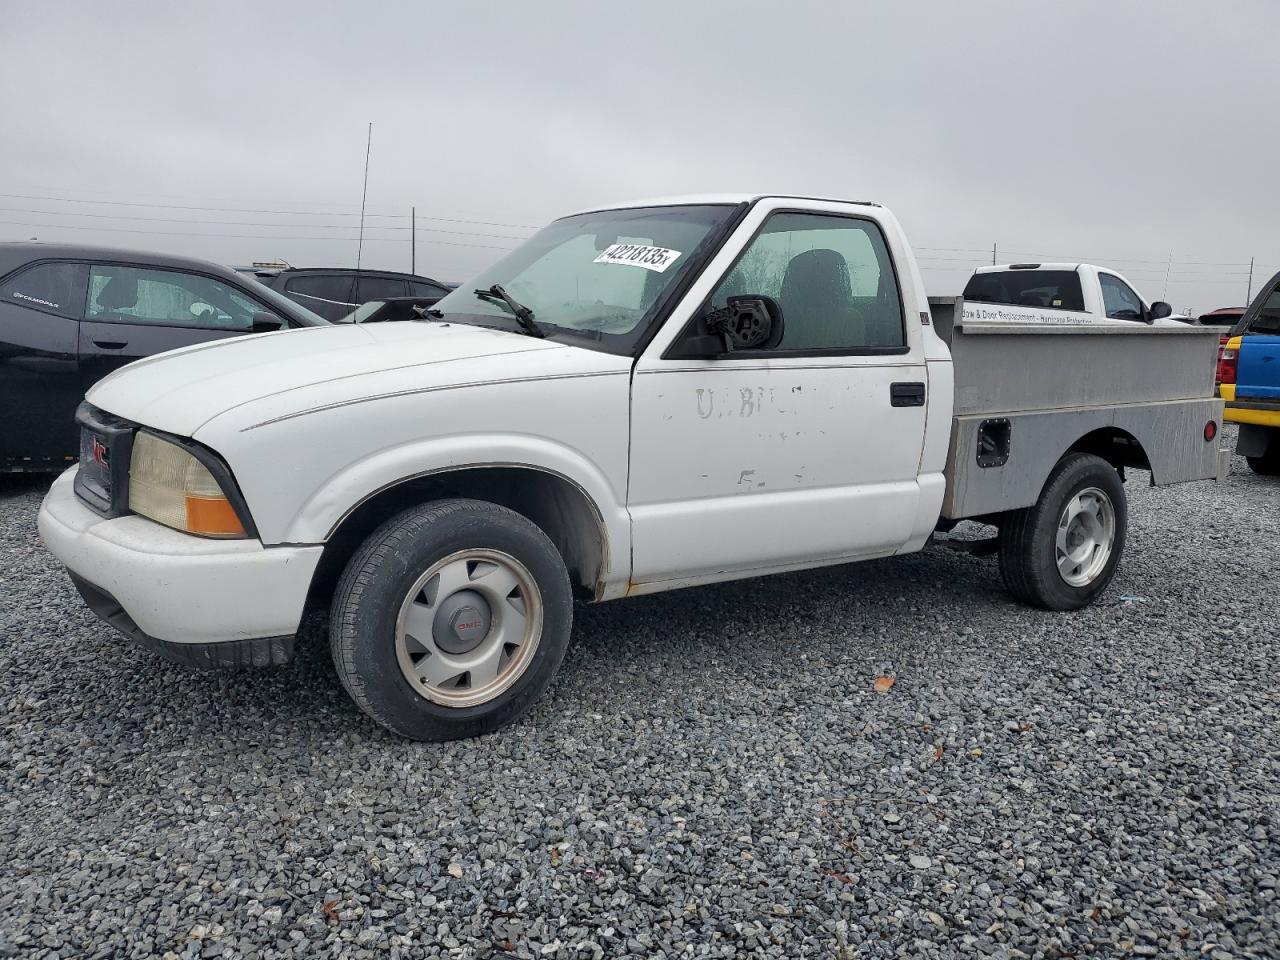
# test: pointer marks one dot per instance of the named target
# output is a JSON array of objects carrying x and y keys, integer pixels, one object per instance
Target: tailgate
[{"x": 1258, "y": 369}]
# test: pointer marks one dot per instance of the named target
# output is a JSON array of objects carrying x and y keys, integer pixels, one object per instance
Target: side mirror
[
  {"x": 1160, "y": 310},
  {"x": 749, "y": 322},
  {"x": 746, "y": 322},
  {"x": 264, "y": 322},
  {"x": 699, "y": 347}
]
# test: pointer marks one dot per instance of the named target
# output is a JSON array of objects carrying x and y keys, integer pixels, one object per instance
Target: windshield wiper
[{"x": 523, "y": 315}]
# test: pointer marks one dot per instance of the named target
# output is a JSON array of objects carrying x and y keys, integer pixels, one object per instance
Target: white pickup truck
[
  {"x": 638, "y": 398},
  {"x": 1058, "y": 293}
]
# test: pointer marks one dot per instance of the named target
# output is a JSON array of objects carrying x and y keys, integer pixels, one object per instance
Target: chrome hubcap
[
  {"x": 469, "y": 627},
  {"x": 1086, "y": 535}
]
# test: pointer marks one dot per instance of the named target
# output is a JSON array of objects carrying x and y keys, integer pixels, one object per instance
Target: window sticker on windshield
[{"x": 639, "y": 255}]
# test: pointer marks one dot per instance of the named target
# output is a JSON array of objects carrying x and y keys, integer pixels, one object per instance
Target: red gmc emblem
[{"x": 99, "y": 452}]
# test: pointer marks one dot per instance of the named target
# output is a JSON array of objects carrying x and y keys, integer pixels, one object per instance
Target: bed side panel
[{"x": 1171, "y": 433}]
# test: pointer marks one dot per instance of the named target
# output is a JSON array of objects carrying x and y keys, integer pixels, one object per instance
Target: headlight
[{"x": 169, "y": 485}]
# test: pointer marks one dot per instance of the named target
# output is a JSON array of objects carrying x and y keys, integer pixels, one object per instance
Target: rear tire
[
  {"x": 451, "y": 619},
  {"x": 1062, "y": 552},
  {"x": 1268, "y": 465}
]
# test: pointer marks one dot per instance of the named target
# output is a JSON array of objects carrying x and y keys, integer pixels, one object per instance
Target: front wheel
[
  {"x": 451, "y": 619},
  {"x": 1062, "y": 552}
]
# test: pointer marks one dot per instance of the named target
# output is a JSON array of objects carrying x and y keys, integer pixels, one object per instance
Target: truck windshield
[
  {"x": 599, "y": 277},
  {"x": 1055, "y": 289}
]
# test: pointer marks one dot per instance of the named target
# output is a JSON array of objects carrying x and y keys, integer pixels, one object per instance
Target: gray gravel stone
[{"x": 711, "y": 775}]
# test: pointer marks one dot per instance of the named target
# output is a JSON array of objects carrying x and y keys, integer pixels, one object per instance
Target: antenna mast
[{"x": 364, "y": 196}]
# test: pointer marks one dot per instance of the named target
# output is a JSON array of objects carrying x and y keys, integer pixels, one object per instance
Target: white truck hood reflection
[{"x": 279, "y": 373}]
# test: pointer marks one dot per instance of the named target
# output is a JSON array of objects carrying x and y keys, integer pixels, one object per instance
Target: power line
[
  {"x": 1158, "y": 263},
  {"x": 287, "y": 213},
  {"x": 985, "y": 251},
  {"x": 981, "y": 251},
  {"x": 253, "y": 223},
  {"x": 240, "y": 236}
]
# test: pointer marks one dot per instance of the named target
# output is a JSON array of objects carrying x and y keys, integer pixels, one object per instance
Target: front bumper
[{"x": 175, "y": 589}]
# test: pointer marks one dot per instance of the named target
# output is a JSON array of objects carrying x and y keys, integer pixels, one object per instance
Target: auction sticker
[{"x": 639, "y": 255}]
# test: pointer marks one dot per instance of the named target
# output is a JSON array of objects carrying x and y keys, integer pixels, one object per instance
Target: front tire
[
  {"x": 451, "y": 619},
  {"x": 1062, "y": 552}
]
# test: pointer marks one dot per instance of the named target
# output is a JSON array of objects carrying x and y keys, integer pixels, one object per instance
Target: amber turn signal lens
[
  {"x": 169, "y": 485},
  {"x": 212, "y": 517}
]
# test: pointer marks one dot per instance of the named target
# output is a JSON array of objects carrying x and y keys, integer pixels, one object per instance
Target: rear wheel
[
  {"x": 451, "y": 619},
  {"x": 1062, "y": 552},
  {"x": 1268, "y": 465}
]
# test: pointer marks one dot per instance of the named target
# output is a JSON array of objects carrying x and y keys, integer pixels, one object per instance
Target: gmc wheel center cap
[{"x": 462, "y": 622}]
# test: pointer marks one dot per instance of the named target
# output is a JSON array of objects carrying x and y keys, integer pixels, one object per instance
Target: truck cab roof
[
  {"x": 711, "y": 199},
  {"x": 1005, "y": 267}
]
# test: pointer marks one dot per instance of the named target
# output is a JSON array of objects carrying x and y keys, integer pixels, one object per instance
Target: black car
[
  {"x": 71, "y": 314},
  {"x": 335, "y": 292}
]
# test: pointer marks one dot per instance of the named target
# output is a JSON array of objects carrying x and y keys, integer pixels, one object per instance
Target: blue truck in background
[{"x": 1249, "y": 375}]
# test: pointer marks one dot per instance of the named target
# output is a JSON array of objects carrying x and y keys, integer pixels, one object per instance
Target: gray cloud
[{"x": 1119, "y": 132}]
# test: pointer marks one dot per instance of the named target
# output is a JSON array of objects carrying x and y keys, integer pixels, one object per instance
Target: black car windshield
[{"x": 596, "y": 277}]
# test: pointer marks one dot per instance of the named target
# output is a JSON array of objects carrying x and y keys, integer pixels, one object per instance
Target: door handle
[
  {"x": 906, "y": 394},
  {"x": 112, "y": 344}
]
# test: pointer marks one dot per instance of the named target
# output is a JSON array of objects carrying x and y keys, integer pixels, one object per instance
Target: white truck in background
[
  {"x": 1059, "y": 294},
  {"x": 638, "y": 398}
]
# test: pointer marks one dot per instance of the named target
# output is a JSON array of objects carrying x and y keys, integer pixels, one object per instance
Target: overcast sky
[{"x": 1120, "y": 132}]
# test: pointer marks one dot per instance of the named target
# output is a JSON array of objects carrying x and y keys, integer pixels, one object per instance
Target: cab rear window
[
  {"x": 1268, "y": 318},
  {"x": 1051, "y": 289}
]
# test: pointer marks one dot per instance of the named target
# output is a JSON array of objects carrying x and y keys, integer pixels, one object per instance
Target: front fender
[
  {"x": 322, "y": 511},
  {"x": 304, "y": 464}
]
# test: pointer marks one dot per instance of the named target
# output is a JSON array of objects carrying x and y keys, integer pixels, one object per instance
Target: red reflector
[{"x": 1210, "y": 430}]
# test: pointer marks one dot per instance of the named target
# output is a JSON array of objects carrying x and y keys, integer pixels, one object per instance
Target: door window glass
[
  {"x": 331, "y": 288},
  {"x": 421, "y": 289},
  {"x": 1118, "y": 299},
  {"x": 119, "y": 294},
  {"x": 832, "y": 276},
  {"x": 56, "y": 288},
  {"x": 378, "y": 288}
]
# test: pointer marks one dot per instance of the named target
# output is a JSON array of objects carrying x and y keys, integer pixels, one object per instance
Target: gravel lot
[{"x": 711, "y": 776}]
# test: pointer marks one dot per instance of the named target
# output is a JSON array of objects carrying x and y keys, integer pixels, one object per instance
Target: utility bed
[{"x": 1024, "y": 392}]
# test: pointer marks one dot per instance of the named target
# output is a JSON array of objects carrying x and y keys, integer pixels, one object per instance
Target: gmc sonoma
[{"x": 638, "y": 398}]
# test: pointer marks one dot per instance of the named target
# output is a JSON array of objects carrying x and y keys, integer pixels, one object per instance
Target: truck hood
[{"x": 182, "y": 390}]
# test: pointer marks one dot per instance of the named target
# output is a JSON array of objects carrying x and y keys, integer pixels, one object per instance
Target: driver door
[
  {"x": 800, "y": 452},
  {"x": 133, "y": 312}
]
